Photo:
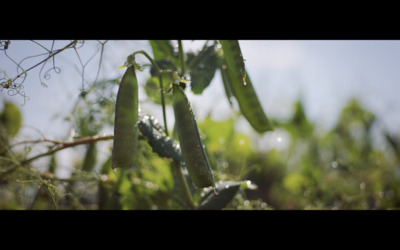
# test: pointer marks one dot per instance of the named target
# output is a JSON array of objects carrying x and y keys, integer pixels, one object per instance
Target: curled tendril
[
  {"x": 12, "y": 87},
  {"x": 44, "y": 62},
  {"x": 15, "y": 84},
  {"x": 79, "y": 44},
  {"x": 47, "y": 76}
]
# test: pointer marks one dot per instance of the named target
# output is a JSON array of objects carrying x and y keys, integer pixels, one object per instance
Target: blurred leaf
[
  {"x": 300, "y": 120},
  {"x": 152, "y": 89},
  {"x": 394, "y": 143},
  {"x": 239, "y": 147},
  {"x": 150, "y": 185},
  {"x": 295, "y": 183},
  {"x": 106, "y": 166},
  {"x": 226, "y": 190},
  {"x": 353, "y": 112},
  {"x": 90, "y": 159},
  {"x": 91, "y": 115},
  {"x": 202, "y": 68},
  {"x": 11, "y": 118},
  {"x": 217, "y": 133},
  {"x": 225, "y": 145},
  {"x": 163, "y": 50},
  {"x": 163, "y": 64},
  {"x": 298, "y": 125},
  {"x": 157, "y": 175},
  {"x": 4, "y": 141},
  {"x": 53, "y": 164},
  {"x": 108, "y": 196},
  {"x": 248, "y": 185}
]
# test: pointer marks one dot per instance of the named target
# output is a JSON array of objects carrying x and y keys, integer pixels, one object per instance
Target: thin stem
[
  {"x": 65, "y": 145},
  {"x": 161, "y": 85},
  {"x": 52, "y": 54},
  {"x": 182, "y": 57}
]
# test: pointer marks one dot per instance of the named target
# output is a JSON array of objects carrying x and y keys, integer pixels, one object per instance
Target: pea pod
[
  {"x": 161, "y": 144},
  {"x": 233, "y": 57},
  {"x": 237, "y": 80},
  {"x": 189, "y": 139},
  {"x": 125, "y": 123},
  {"x": 90, "y": 159}
]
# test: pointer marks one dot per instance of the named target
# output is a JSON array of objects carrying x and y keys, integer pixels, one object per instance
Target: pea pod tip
[
  {"x": 115, "y": 172},
  {"x": 215, "y": 190}
]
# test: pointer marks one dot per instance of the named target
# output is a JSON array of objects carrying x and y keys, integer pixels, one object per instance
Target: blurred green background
[{"x": 336, "y": 169}]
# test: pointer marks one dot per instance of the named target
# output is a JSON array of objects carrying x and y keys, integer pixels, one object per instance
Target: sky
[{"x": 324, "y": 74}]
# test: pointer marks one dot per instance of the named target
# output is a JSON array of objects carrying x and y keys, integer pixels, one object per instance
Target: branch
[
  {"x": 182, "y": 57},
  {"x": 52, "y": 54},
  {"x": 64, "y": 145}
]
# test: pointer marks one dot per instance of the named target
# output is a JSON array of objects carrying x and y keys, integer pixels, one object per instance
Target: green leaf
[
  {"x": 163, "y": 64},
  {"x": 226, "y": 190},
  {"x": 152, "y": 89},
  {"x": 11, "y": 118},
  {"x": 202, "y": 68},
  {"x": 163, "y": 50}
]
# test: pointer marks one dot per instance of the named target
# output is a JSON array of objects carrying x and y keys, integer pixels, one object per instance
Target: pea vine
[{"x": 171, "y": 69}]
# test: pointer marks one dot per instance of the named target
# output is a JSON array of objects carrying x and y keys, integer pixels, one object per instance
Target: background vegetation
[{"x": 342, "y": 168}]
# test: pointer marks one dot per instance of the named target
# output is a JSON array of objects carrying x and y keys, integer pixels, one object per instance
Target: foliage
[{"x": 343, "y": 168}]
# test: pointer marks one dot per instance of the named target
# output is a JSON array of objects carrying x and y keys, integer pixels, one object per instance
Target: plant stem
[
  {"x": 161, "y": 85},
  {"x": 182, "y": 57},
  {"x": 184, "y": 185},
  {"x": 52, "y": 54},
  {"x": 65, "y": 145}
]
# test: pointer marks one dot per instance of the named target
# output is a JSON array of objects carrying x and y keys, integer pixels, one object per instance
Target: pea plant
[
  {"x": 137, "y": 135},
  {"x": 188, "y": 153}
]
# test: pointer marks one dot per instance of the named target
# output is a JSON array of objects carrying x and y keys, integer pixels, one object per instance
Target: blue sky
[{"x": 325, "y": 74}]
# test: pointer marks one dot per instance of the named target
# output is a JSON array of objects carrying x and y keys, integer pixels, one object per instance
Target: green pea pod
[
  {"x": 90, "y": 159},
  {"x": 236, "y": 77},
  {"x": 126, "y": 119},
  {"x": 189, "y": 139},
  {"x": 161, "y": 144},
  {"x": 226, "y": 83},
  {"x": 233, "y": 57}
]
